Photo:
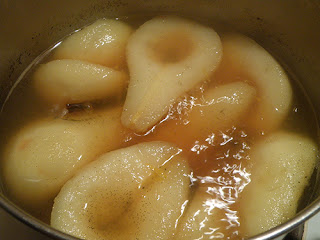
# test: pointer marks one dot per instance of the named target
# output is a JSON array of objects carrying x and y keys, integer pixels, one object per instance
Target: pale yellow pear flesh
[
  {"x": 103, "y": 42},
  {"x": 42, "y": 156},
  {"x": 74, "y": 81},
  {"x": 167, "y": 57},
  {"x": 200, "y": 219},
  {"x": 221, "y": 107},
  {"x": 273, "y": 86},
  {"x": 218, "y": 109},
  {"x": 131, "y": 193},
  {"x": 282, "y": 165}
]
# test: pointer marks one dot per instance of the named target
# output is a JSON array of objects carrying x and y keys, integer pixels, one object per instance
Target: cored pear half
[{"x": 167, "y": 56}]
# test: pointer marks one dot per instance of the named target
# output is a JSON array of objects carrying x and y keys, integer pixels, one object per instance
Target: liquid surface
[{"x": 219, "y": 160}]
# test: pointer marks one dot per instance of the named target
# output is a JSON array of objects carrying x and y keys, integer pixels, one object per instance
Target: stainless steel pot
[{"x": 290, "y": 29}]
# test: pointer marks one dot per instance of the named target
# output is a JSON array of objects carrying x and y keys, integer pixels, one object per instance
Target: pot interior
[{"x": 287, "y": 29}]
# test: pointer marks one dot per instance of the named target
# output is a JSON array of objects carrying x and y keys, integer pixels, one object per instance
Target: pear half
[
  {"x": 103, "y": 42},
  {"x": 221, "y": 107},
  {"x": 74, "y": 81},
  {"x": 167, "y": 56},
  {"x": 273, "y": 86},
  {"x": 282, "y": 166},
  {"x": 218, "y": 109},
  {"x": 42, "y": 156},
  {"x": 131, "y": 193}
]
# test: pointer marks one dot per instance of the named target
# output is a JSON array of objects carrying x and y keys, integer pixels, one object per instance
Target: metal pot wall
[{"x": 289, "y": 29}]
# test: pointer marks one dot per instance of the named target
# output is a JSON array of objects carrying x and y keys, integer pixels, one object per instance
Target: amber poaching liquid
[{"x": 219, "y": 160}]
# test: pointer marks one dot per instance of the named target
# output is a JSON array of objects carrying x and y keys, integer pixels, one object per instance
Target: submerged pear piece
[
  {"x": 217, "y": 109},
  {"x": 282, "y": 166},
  {"x": 273, "y": 85},
  {"x": 103, "y": 42},
  {"x": 131, "y": 193},
  {"x": 73, "y": 81},
  {"x": 221, "y": 108},
  {"x": 200, "y": 219},
  {"x": 167, "y": 56},
  {"x": 42, "y": 156}
]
